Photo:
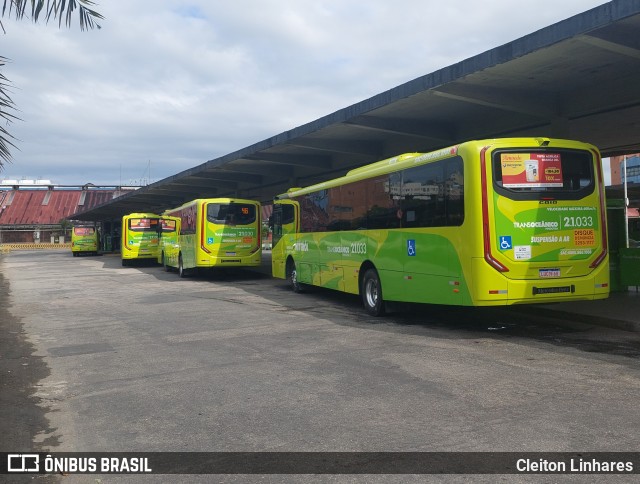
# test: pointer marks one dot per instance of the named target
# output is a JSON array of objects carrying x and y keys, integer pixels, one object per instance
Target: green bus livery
[
  {"x": 84, "y": 240},
  {"x": 483, "y": 223},
  {"x": 139, "y": 237},
  {"x": 216, "y": 232}
]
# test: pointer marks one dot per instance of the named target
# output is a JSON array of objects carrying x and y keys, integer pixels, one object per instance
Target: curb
[{"x": 559, "y": 316}]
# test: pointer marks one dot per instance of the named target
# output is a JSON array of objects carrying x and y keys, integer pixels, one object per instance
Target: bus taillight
[
  {"x": 259, "y": 229},
  {"x": 603, "y": 216},
  {"x": 486, "y": 232},
  {"x": 203, "y": 220}
]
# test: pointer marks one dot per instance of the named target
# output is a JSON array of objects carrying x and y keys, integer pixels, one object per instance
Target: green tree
[
  {"x": 65, "y": 225},
  {"x": 49, "y": 10}
]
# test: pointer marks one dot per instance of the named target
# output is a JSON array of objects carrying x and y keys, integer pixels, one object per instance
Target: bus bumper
[
  {"x": 492, "y": 288},
  {"x": 254, "y": 260}
]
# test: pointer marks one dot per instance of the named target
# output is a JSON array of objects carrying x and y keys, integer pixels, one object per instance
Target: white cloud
[{"x": 180, "y": 83}]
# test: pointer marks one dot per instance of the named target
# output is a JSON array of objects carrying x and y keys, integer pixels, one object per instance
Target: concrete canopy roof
[{"x": 577, "y": 79}]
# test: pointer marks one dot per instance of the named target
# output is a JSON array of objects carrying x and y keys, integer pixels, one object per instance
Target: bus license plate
[
  {"x": 553, "y": 290},
  {"x": 549, "y": 273}
]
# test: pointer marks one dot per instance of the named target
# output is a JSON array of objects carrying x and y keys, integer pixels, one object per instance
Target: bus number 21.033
[{"x": 578, "y": 221}]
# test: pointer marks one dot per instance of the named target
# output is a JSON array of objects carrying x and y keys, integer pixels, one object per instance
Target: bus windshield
[{"x": 231, "y": 213}]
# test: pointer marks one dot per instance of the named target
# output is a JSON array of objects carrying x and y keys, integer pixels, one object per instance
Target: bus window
[
  {"x": 531, "y": 175},
  {"x": 231, "y": 213},
  {"x": 143, "y": 224},
  {"x": 84, "y": 230},
  {"x": 288, "y": 214},
  {"x": 168, "y": 225},
  {"x": 284, "y": 215}
]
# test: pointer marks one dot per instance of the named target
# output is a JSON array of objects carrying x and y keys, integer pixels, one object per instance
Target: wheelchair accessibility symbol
[
  {"x": 411, "y": 247},
  {"x": 505, "y": 242}
]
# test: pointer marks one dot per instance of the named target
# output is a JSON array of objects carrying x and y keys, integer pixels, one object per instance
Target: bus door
[{"x": 285, "y": 221}]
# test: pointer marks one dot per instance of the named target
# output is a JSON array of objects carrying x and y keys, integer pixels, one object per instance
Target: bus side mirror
[{"x": 271, "y": 222}]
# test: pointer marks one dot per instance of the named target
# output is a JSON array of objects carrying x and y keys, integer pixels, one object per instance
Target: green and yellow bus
[
  {"x": 482, "y": 223},
  {"x": 84, "y": 240},
  {"x": 169, "y": 241},
  {"x": 139, "y": 237},
  {"x": 216, "y": 232}
]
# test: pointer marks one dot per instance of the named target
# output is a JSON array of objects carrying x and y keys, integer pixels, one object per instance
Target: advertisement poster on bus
[
  {"x": 529, "y": 170},
  {"x": 546, "y": 233}
]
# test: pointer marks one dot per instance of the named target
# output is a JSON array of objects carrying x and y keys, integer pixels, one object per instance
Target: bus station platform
[{"x": 621, "y": 310}]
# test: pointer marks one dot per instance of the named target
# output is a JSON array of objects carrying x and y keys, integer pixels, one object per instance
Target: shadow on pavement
[{"x": 22, "y": 417}]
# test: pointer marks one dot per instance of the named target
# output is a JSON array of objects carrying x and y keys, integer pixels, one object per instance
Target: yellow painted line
[{"x": 10, "y": 247}]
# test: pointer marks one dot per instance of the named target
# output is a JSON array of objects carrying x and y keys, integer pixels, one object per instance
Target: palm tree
[{"x": 50, "y": 10}]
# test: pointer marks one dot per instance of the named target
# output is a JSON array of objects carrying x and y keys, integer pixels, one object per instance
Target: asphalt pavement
[
  {"x": 97, "y": 357},
  {"x": 621, "y": 310}
]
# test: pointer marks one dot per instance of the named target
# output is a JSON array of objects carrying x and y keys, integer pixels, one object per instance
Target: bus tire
[
  {"x": 164, "y": 263},
  {"x": 292, "y": 273},
  {"x": 125, "y": 262},
  {"x": 182, "y": 272},
  {"x": 371, "y": 293}
]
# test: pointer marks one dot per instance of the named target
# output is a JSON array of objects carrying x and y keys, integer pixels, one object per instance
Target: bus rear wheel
[
  {"x": 164, "y": 263},
  {"x": 182, "y": 272},
  {"x": 371, "y": 293}
]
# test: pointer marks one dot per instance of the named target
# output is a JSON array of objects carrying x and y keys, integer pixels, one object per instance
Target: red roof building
[{"x": 31, "y": 215}]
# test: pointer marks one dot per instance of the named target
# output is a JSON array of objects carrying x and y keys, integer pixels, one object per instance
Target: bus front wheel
[
  {"x": 371, "y": 293},
  {"x": 293, "y": 278}
]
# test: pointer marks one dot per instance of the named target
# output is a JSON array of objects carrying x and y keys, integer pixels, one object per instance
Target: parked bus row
[
  {"x": 203, "y": 233},
  {"x": 482, "y": 223}
]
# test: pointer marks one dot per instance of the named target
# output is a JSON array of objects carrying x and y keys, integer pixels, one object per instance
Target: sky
[{"x": 166, "y": 85}]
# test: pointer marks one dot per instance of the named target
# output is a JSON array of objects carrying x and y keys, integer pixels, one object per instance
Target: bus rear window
[
  {"x": 168, "y": 225},
  {"x": 537, "y": 174},
  {"x": 143, "y": 224},
  {"x": 231, "y": 213},
  {"x": 83, "y": 230}
]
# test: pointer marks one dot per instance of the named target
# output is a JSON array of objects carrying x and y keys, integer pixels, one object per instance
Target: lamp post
[{"x": 626, "y": 203}]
